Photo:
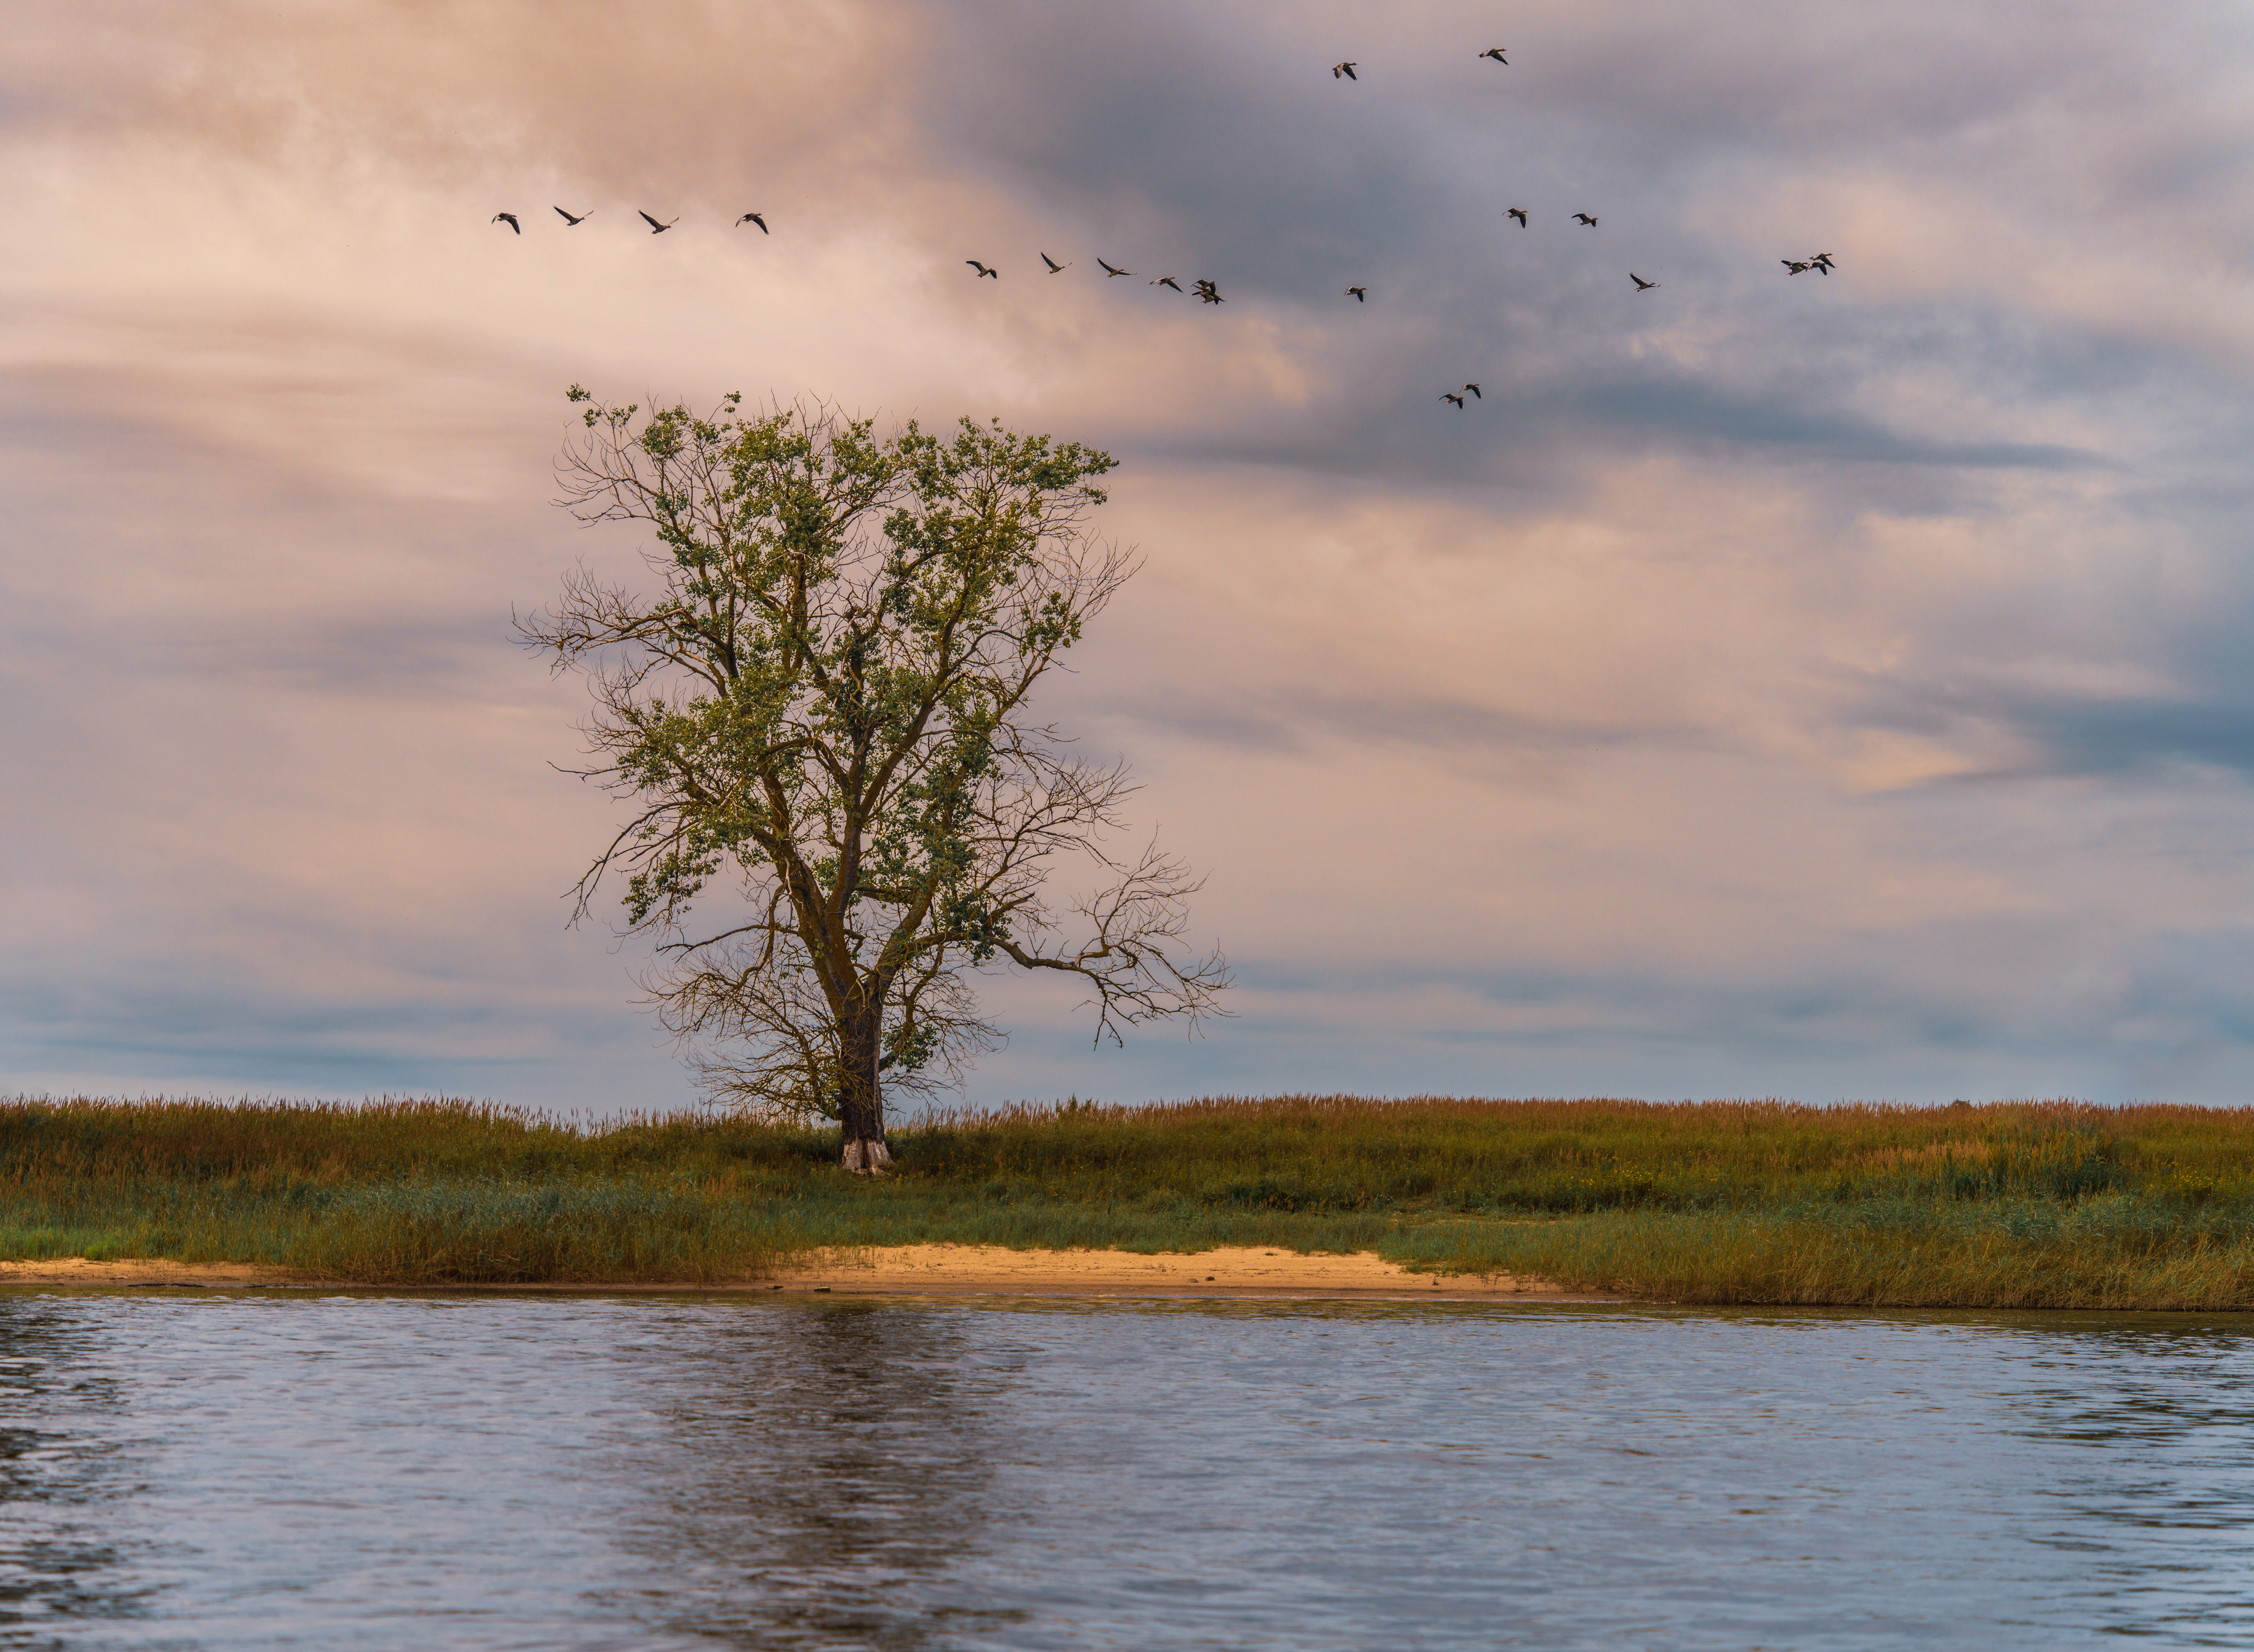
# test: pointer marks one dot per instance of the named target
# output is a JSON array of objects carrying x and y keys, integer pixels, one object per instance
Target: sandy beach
[
  {"x": 934, "y": 1271},
  {"x": 979, "y": 1270},
  {"x": 136, "y": 1272}
]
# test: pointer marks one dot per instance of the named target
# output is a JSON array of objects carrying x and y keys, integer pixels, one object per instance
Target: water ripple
[{"x": 245, "y": 1471}]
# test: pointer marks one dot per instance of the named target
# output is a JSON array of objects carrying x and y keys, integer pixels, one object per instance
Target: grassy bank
[{"x": 2008, "y": 1205}]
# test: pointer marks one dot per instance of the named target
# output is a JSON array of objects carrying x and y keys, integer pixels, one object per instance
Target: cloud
[{"x": 1821, "y": 684}]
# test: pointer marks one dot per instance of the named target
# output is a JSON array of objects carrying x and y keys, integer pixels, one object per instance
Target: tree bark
[{"x": 860, "y": 1102}]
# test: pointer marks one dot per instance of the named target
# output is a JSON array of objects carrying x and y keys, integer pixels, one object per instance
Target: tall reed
[{"x": 2031, "y": 1203}]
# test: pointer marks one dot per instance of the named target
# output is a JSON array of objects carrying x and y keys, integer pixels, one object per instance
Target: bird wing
[{"x": 652, "y": 222}]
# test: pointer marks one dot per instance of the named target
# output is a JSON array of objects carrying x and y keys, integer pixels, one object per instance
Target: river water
[{"x": 237, "y": 1470}]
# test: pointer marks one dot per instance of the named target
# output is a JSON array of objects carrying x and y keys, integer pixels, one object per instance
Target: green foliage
[
  {"x": 821, "y": 715},
  {"x": 2012, "y": 1205}
]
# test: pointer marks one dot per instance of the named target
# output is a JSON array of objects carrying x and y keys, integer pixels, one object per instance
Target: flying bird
[
  {"x": 1167, "y": 280},
  {"x": 1822, "y": 260},
  {"x": 1347, "y": 69},
  {"x": 656, "y": 228},
  {"x": 1208, "y": 291},
  {"x": 754, "y": 218},
  {"x": 982, "y": 269},
  {"x": 1796, "y": 266},
  {"x": 1359, "y": 295},
  {"x": 1113, "y": 270},
  {"x": 1496, "y": 51},
  {"x": 1519, "y": 213},
  {"x": 571, "y": 222},
  {"x": 507, "y": 218},
  {"x": 1475, "y": 389},
  {"x": 1054, "y": 267},
  {"x": 1584, "y": 217},
  {"x": 1450, "y": 396},
  {"x": 1641, "y": 285}
]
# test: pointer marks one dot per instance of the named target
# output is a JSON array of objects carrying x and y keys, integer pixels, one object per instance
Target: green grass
[{"x": 2048, "y": 1204}]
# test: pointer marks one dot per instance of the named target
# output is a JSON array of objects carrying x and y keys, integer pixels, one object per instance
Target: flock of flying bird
[{"x": 1204, "y": 291}]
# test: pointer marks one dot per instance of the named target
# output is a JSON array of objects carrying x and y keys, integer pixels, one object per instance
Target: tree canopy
[{"x": 844, "y": 805}]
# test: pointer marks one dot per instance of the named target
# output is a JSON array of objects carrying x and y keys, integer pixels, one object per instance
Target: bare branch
[
  {"x": 820, "y": 706},
  {"x": 1134, "y": 957}
]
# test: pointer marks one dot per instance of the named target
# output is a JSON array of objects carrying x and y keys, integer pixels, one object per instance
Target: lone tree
[{"x": 821, "y": 713}]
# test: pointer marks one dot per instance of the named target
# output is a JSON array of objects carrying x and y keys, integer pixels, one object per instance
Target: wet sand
[{"x": 926, "y": 1270}]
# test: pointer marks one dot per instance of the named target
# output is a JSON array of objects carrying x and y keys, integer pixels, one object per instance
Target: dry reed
[{"x": 2016, "y": 1204}]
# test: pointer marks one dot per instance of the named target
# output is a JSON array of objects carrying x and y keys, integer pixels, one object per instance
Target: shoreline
[
  {"x": 1239, "y": 1272},
  {"x": 1229, "y": 1270}
]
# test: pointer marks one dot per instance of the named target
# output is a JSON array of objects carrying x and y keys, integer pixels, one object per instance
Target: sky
[{"x": 1823, "y": 686}]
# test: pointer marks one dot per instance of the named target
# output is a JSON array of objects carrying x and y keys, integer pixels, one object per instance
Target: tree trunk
[{"x": 860, "y": 1103}]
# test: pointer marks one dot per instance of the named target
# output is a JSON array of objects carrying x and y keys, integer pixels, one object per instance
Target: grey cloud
[
  {"x": 2150, "y": 638},
  {"x": 1286, "y": 721},
  {"x": 2080, "y": 735},
  {"x": 1917, "y": 1018},
  {"x": 1215, "y": 140},
  {"x": 1696, "y": 414},
  {"x": 1964, "y": 484},
  {"x": 1941, "y": 988},
  {"x": 2123, "y": 737}
]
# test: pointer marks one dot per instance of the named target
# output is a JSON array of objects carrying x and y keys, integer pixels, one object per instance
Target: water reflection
[
  {"x": 2157, "y": 1422},
  {"x": 656, "y": 1473},
  {"x": 57, "y": 1563},
  {"x": 820, "y": 1477}
]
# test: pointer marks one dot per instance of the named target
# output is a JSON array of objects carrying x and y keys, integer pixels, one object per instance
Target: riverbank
[
  {"x": 2012, "y": 1205},
  {"x": 940, "y": 1270}
]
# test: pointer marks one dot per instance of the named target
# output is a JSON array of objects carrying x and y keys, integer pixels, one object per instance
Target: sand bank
[
  {"x": 985, "y": 1269},
  {"x": 77, "y": 1270},
  {"x": 932, "y": 1271}
]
